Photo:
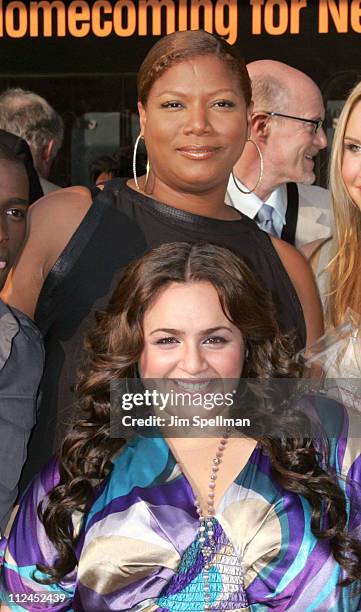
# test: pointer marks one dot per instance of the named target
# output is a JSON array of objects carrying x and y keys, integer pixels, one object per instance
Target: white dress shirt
[
  {"x": 313, "y": 214},
  {"x": 250, "y": 204}
]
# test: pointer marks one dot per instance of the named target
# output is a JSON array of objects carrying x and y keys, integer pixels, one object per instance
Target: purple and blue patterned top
[{"x": 138, "y": 548}]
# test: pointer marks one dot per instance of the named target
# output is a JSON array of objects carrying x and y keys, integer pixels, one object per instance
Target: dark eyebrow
[
  {"x": 211, "y": 330},
  {"x": 217, "y": 92},
  {"x": 17, "y": 201},
  {"x": 204, "y": 332},
  {"x": 353, "y": 139}
]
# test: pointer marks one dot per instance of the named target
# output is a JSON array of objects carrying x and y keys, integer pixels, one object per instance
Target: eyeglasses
[{"x": 316, "y": 123}]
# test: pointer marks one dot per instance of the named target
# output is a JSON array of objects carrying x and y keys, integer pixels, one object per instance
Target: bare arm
[
  {"x": 51, "y": 223},
  {"x": 302, "y": 278}
]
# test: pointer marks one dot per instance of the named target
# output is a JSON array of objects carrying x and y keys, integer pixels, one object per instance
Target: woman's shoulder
[
  {"x": 63, "y": 209},
  {"x": 51, "y": 223},
  {"x": 77, "y": 198},
  {"x": 24, "y": 519},
  {"x": 43, "y": 483},
  {"x": 27, "y": 547}
]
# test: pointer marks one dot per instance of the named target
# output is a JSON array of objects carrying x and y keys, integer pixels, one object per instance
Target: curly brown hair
[{"x": 114, "y": 347}]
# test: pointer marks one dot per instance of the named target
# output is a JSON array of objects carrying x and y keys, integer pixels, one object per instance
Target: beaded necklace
[
  {"x": 210, "y": 575},
  {"x": 207, "y": 521}
]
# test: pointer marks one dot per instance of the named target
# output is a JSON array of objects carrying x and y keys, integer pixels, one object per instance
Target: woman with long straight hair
[{"x": 337, "y": 261}]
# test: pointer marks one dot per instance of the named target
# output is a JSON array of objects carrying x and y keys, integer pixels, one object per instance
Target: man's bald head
[
  {"x": 285, "y": 126},
  {"x": 275, "y": 85}
]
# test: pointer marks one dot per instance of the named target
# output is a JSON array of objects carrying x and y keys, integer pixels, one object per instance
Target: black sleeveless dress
[{"x": 120, "y": 225}]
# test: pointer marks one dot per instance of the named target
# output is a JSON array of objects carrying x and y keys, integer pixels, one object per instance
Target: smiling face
[
  {"x": 188, "y": 337},
  {"x": 351, "y": 161},
  {"x": 14, "y": 199},
  {"x": 293, "y": 144},
  {"x": 194, "y": 126}
]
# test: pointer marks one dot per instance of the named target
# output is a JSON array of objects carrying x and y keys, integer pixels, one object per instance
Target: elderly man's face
[{"x": 292, "y": 144}]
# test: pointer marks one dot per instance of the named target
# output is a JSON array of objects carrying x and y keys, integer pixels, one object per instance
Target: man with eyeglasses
[{"x": 277, "y": 165}]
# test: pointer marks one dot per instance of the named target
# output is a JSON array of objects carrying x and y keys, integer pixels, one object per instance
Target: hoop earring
[
  {"x": 260, "y": 172},
  {"x": 147, "y": 175},
  {"x": 140, "y": 137}
]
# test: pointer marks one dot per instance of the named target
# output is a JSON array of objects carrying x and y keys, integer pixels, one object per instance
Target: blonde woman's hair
[{"x": 345, "y": 265}]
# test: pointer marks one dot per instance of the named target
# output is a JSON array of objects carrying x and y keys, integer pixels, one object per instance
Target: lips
[{"x": 198, "y": 152}]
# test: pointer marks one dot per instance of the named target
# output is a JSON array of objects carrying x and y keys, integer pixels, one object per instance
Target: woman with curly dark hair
[{"x": 224, "y": 522}]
